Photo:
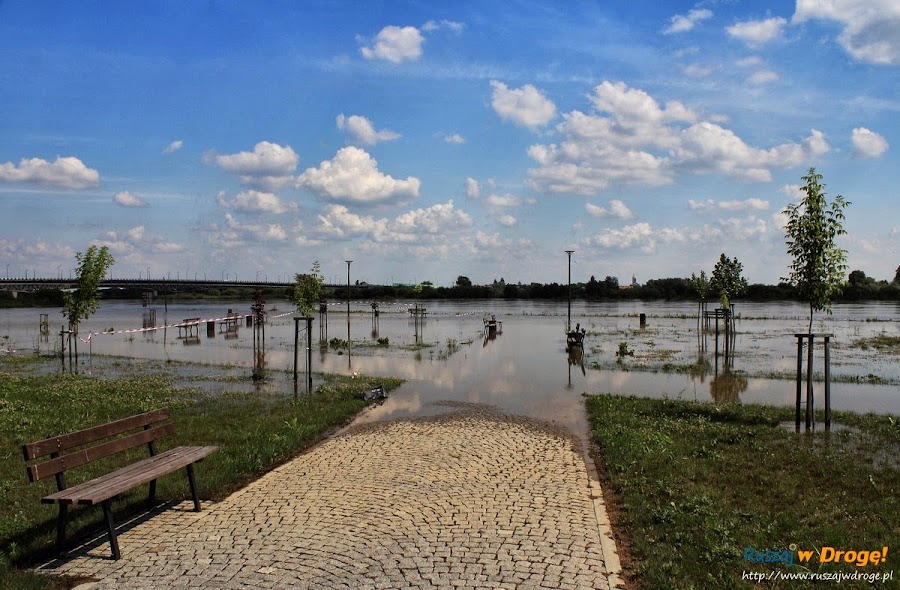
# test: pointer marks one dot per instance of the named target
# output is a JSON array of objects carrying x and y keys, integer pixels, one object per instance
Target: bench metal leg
[
  {"x": 61, "y": 529},
  {"x": 111, "y": 530},
  {"x": 151, "y": 499},
  {"x": 193, "y": 483}
]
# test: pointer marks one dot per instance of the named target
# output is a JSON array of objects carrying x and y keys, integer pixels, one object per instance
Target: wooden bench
[{"x": 75, "y": 449}]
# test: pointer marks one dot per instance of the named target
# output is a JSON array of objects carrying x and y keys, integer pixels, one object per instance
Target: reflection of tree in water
[
  {"x": 701, "y": 368},
  {"x": 728, "y": 386}
]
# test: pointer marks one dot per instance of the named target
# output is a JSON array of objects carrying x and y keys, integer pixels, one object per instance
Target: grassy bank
[
  {"x": 694, "y": 484},
  {"x": 255, "y": 431}
]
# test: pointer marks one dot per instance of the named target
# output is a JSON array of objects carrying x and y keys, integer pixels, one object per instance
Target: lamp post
[
  {"x": 348, "y": 296},
  {"x": 348, "y": 313},
  {"x": 569, "y": 321}
]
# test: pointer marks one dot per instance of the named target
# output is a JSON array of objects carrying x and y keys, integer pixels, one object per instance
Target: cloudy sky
[{"x": 427, "y": 140}]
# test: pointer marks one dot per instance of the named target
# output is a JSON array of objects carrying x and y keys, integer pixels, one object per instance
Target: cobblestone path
[{"x": 469, "y": 499}]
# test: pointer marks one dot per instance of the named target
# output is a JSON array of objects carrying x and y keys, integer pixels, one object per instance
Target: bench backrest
[{"x": 61, "y": 460}]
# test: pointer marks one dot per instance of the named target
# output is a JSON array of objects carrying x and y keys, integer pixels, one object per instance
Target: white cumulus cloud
[
  {"x": 868, "y": 144},
  {"x": 263, "y": 232},
  {"x": 758, "y": 32},
  {"x": 632, "y": 139},
  {"x": 455, "y": 138},
  {"x": 395, "y": 44},
  {"x": 507, "y": 220},
  {"x": 871, "y": 28},
  {"x": 252, "y": 201},
  {"x": 752, "y": 204},
  {"x": 173, "y": 147},
  {"x": 268, "y": 167},
  {"x": 681, "y": 23},
  {"x": 494, "y": 200},
  {"x": 524, "y": 106},
  {"x": 353, "y": 175},
  {"x": 266, "y": 159},
  {"x": 473, "y": 188},
  {"x": 362, "y": 130},
  {"x": 760, "y": 77},
  {"x": 617, "y": 209},
  {"x": 65, "y": 172},
  {"x": 638, "y": 235},
  {"x": 126, "y": 199},
  {"x": 432, "y": 225}
]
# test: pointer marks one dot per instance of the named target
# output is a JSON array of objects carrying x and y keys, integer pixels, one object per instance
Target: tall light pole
[
  {"x": 569, "y": 321},
  {"x": 348, "y": 297},
  {"x": 348, "y": 314}
]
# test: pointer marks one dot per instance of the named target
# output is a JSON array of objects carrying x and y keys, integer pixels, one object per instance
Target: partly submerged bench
[{"x": 75, "y": 449}]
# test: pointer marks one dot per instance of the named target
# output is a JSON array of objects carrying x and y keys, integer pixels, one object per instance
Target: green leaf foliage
[
  {"x": 701, "y": 284},
  {"x": 819, "y": 266},
  {"x": 85, "y": 299},
  {"x": 726, "y": 279},
  {"x": 308, "y": 290}
]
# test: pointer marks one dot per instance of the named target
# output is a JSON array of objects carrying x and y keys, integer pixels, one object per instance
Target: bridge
[
  {"x": 30, "y": 285},
  {"x": 18, "y": 285}
]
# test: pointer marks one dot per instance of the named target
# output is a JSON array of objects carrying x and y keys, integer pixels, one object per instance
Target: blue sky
[{"x": 427, "y": 140}]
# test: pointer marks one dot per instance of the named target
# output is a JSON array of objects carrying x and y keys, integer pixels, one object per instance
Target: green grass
[
  {"x": 255, "y": 432},
  {"x": 882, "y": 343},
  {"x": 696, "y": 483}
]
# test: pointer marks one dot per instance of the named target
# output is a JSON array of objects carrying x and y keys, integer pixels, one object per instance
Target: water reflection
[
  {"x": 492, "y": 328},
  {"x": 520, "y": 372},
  {"x": 575, "y": 357}
]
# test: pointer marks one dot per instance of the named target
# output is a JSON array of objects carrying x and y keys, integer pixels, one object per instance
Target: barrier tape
[{"x": 178, "y": 325}]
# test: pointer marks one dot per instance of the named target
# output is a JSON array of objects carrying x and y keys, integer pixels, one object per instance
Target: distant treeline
[{"x": 859, "y": 288}]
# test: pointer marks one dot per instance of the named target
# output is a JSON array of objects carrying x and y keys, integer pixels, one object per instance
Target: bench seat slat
[
  {"x": 88, "y": 435},
  {"x": 88, "y": 454},
  {"x": 105, "y": 487}
]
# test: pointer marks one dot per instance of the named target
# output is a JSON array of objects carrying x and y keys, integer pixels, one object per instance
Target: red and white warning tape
[{"x": 178, "y": 325}]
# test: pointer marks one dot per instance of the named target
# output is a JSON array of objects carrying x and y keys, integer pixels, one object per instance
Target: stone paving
[{"x": 469, "y": 499}]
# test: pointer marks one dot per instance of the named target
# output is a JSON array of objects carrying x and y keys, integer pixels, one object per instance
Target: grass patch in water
[
  {"x": 881, "y": 343},
  {"x": 694, "y": 484}
]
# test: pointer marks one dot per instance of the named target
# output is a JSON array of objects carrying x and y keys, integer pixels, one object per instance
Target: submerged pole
[
  {"x": 569, "y": 315},
  {"x": 296, "y": 343}
]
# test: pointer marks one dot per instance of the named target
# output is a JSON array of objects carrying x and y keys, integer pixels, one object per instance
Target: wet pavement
[{"x": 472, "y": 498}]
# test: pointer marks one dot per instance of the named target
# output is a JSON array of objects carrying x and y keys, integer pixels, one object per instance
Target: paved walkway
[{"x": 469, "y": 499}]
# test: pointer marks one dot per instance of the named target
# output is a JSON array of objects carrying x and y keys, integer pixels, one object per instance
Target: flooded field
[{"x": 523, "y": 367}]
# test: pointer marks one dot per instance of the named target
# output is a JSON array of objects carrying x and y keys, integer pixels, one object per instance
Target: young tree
[
  {"x": 701, "y": 285},
  {"x": 85, "y": 299},
  {"x": 819, "y": 265},
  {"x": 726, "y": 279},
  {"x": 308, "y": 290}
]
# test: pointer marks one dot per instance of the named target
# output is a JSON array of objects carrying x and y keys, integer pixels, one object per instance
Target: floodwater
[{"x": 524, "y": 367}]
